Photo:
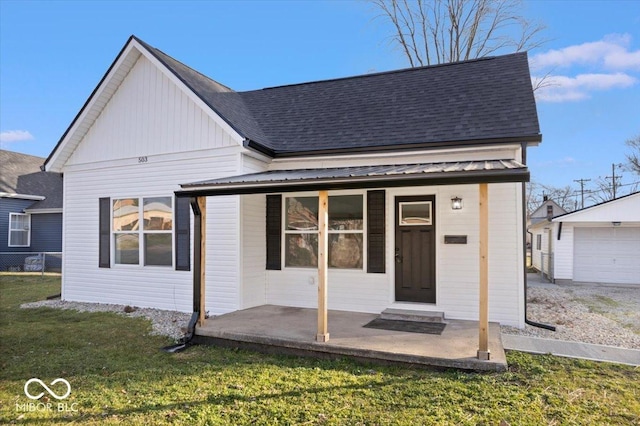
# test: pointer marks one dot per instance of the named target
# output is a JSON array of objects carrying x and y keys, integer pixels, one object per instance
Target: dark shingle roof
[
  {"x": 478, "y": 101},
  {"x": 20, "y": 174}
]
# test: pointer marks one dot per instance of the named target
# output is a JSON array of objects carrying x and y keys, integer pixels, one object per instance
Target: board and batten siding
[
  {"x": 144, "y": 286},
  {"x": 149, "y": 115}
]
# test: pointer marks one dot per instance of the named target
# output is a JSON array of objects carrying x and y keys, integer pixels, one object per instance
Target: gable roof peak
[{"x": 477, "y": 102}]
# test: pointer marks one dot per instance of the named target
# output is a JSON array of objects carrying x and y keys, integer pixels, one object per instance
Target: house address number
[{"x": 142, "y": 159}]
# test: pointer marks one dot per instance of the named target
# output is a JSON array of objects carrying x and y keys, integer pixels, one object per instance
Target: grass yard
[{"x": 118, "y": 375}]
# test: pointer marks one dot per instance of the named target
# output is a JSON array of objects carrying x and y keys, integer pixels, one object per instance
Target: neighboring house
[
  {"x": 545, "y": 212},
  {"x": 537, "y": 238},
  {"x": 30, "y": 211},
  {"x": 598, "y": 244},
  {"x": 181, "y": 193}
]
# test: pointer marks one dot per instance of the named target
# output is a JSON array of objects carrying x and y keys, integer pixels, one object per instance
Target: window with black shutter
[
  {"x": 104, "y": 247},
  {"x": 183, "y": 234},
  {"x": 376, "y": 231},
  {"x": 274, "y": 232}
]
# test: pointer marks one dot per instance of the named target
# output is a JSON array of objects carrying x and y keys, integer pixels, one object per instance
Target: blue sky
[{"x": 52, "y": 55}]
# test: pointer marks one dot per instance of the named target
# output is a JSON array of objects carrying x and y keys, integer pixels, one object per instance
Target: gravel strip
[
  {"x": 164, "y": 323},
  {"x": 597, "y": 314}
]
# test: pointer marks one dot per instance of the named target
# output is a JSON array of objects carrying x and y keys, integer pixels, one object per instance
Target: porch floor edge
[{"x": 286, "y": 330}]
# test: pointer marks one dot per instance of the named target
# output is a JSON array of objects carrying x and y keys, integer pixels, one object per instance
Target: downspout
[
  {"x": 185, "y": 341},
  {"x": 524, "y": 248}
]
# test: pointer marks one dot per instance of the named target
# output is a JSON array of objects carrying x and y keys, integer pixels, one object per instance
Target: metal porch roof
[{"x": 445, "y": 173}]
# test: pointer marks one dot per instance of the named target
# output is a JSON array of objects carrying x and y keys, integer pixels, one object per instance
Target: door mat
[{"x": 408, "y": 326}]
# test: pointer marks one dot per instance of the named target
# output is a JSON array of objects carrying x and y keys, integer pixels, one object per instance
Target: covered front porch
[
  {"x": 283, "y": 329},
  {"x": 463, "y": 344}
]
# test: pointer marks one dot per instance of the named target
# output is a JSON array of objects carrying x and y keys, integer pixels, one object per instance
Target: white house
[
  {"x": 598, "y": 244},
  {"x": 183, "y": 194},
  {"x": 538, "y": 226}
]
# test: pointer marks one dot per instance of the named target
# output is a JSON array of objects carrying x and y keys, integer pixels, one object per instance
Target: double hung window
[
  {"x": 143, "y": 231},
  {"x": 19, "y": 230},
  {"x": 346, "y": 232}
]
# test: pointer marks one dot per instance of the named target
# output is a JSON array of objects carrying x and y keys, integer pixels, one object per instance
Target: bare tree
[
  {"x": 633, "y": 157},
  {"x": 604, "y": 189},
  {"x": 439, "y": 31},
  {"x": 564, "y": 196}
]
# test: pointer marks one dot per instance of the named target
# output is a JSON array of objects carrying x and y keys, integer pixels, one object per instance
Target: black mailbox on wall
[{"x": 455, "y": 239}]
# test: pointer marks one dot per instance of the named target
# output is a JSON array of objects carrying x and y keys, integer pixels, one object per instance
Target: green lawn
[{"x": 118, "y": 375}]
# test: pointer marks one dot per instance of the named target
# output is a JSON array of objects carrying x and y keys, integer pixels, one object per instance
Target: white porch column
[
  {"x": 323, "y": 259},
  {"x": 483, "y": 344}
]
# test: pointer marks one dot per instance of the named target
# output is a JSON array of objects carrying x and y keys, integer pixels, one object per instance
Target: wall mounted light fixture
[{"x": 456, "y": 203}]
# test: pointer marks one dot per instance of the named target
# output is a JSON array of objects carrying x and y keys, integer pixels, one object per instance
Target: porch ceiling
[{"x": 445, "y": 173}]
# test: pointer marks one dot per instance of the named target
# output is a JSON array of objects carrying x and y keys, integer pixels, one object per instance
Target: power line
[
  {"x": 613, "y": 178},
  {"x": 582, "y": 182}
]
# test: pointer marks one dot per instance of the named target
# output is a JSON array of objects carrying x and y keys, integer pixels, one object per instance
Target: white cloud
[
  {"x": 612, "y": 52},
  {"x": 563, "y": 88},
  {"x": 589, "y": 67},
  {"x": 15, "y": 136}
]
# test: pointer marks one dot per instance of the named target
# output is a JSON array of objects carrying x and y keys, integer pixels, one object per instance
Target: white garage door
[{"x": 607, "y": 255}]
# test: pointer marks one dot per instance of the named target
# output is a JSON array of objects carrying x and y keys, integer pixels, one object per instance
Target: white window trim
[
  {"x": 283, "y": 218},
  {"x": 11, "y": 216},
  {"x": 141, "y": 232},
  {"x": 401, "y": 204}
]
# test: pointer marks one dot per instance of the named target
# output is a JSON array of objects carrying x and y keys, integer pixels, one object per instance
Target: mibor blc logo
[
  {"x": 61, "y": 392},
  {"x": 52, "y": 393}
]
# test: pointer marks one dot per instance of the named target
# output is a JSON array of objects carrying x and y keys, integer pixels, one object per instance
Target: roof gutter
[
  {"x": 251, "y": 144},
  {"x": 529, "y": 140},
  {"x": 21, "y": 196}
]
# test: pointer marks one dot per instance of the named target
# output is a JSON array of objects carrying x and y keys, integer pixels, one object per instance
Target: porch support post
[
  {"x": 483, "y": 349},
  {"x": 202, "y": 204},
  {"x": 323, "y": 243}
]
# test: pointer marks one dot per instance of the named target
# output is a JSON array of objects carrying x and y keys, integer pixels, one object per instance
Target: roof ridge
[
  {"x": 174, "y": 66},
  {"x": 21, "y": 153},
  {"x": 397, "y": 71},
  {"x": 149, "y": 47}
]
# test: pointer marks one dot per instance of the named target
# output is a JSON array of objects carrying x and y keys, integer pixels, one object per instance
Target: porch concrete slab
[
  {"x": 293, "y": 330},
  {"x": 568, "y": 349}
]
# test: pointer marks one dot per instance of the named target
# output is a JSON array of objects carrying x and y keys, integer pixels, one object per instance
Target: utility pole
[
  {"x": 613, "y": 178},
  {"x": 582, "y": 182}
]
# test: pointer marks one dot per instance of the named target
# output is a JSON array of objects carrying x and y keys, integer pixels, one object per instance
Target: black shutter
[
  {"x": 376, "y": 231},
  {"x": 274, "y": 232},
  {"x": 104, "y": 244},
  {"x": 183, "y": 234}
]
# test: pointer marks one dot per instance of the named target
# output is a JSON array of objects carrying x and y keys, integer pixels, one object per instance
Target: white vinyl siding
[
  {"x": 150, "y": 286},
  {"x": 540, "y": 256},
  {"x": 253, "y": 250},
  {"x": 457, "y": 264},
  {"x": 563, "y": 252}
]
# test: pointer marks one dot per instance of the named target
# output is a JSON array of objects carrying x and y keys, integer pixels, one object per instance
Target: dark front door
[{"x": 415, "y": 249}]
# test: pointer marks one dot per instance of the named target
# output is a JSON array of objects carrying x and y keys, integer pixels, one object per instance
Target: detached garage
[{"x": 599, "y": 244}]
